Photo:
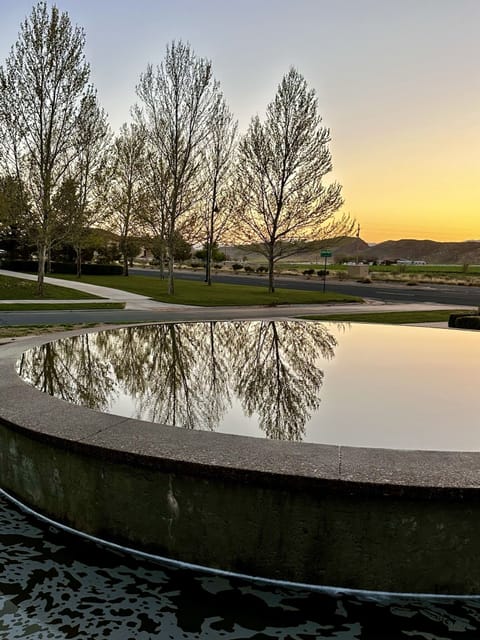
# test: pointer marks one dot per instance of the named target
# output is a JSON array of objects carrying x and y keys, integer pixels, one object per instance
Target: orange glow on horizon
[{"x": 426, "y": 187}]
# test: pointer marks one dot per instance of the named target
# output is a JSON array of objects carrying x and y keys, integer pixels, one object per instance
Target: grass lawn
[
  {"x": 60, "y": 306},
  {"x": 392, "y": 317},
  {"x": 18, "y": 289},
  {"x": 393, "y": 268},
  {"x": 35, "y": 330},
  {"x": 198, "y": 293}
]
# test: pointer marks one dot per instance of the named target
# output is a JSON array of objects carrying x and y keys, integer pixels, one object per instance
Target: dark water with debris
[{"x": 55, "y": 585}]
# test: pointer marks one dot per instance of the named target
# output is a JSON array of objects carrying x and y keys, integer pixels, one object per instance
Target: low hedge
[
  {"x": 468, "y": 322},
  {"x": 63, "y": 267},
  {"x": 94, "y": 269},
  {"x": 452, "y": 320},
  {"x": 19, "y": 265}
]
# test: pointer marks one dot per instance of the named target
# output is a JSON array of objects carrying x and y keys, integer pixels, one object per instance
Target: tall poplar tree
[
  {"x": 179, "y": 98},
  {"x": 282, "y": 161},
  {"x": 90, "y": 171},
  {"x": 218, "y": 161},
  {"x": 127, "y": 194},
  {"x": 43, "y": 83}
]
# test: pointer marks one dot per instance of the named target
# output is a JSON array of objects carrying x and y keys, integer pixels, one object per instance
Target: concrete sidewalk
[{"x": 105, "y": 294}]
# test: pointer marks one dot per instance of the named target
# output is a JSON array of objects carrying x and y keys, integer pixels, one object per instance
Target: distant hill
[
  {"x": 352, "y": 248},
  {"x": 345, "y": 247},
  {"x": 430, "y": 251}
]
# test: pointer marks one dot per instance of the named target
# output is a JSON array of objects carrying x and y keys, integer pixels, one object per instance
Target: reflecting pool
[
  {"x": 55, "y": 586},
  {"x": 359, "y": 385}
]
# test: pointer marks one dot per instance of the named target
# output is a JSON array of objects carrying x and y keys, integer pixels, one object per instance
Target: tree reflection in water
[
  {"x": 72, "y": 370},
  {"x": 188, "y": 374},
  {"x": 276, "y": 375}
]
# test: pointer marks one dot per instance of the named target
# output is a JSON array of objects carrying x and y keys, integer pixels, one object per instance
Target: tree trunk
[
  {"x": 210, "y": 236},
  {"x": 271, "y": 266},
  {"x": 42, "y": 256},
  {"x": 206, "y": 261},
  {"x": 162, "y": 264},
  {"x": 125, "y": 258},
  {"x": 171, "y": 245},
  {"x": 79, "y": 261},
  {"x": 208, "y": 264},
  {"x": 171, "y": 283}
]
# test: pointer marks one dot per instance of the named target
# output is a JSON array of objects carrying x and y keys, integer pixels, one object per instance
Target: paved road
[
  {"x": 440, "y": 294},
  {"x": 142, "y": 309},
  {"x": 382, "y": 291},
  {"x": 179, "y": 313}
]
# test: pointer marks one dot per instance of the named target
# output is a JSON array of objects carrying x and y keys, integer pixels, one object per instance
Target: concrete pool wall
[{"x": 341, "y": 516}]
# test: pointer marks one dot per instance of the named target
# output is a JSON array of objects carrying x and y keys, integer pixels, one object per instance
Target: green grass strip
[
  {"x": 34, "y": 329},
  {"x": 12, "y": 288},
  {"x": 47, "y": 306},
  {"x": 218, "y": 294},
  {"x": 388, "y": 317}
]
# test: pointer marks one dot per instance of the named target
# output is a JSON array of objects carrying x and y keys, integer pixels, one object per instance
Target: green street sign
[{"x": 325, "y": 253}]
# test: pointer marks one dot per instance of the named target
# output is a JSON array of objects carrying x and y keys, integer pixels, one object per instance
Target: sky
[{"x": 398, "y": 85}]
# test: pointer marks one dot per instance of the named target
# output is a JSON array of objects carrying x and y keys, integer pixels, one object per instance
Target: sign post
[{"x": 325, "y": 253}]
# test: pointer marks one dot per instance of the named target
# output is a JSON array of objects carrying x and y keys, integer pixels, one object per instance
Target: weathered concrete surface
[{"x": 358, "y": 518}]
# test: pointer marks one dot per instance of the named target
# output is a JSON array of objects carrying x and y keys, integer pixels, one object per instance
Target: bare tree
[
  {"x": 127, "y": 196},
  {"x": 217, "y": 166},
  {"x": 91, "y": 142},
  {"x": 282, "y": 161},
  {"x": 179, "y": 98},
  {"x": 42, "y": 85},
  {"x": 155, "y": 214}
]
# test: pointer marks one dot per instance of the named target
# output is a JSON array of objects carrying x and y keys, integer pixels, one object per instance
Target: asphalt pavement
[{"x": 379, "y": 291}]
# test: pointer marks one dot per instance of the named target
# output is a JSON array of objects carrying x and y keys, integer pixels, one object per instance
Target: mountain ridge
[{"x": 431, "y": 251}]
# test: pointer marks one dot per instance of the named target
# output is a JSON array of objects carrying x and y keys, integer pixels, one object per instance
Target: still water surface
[
  {"x": 357, "y": 385},
  {"x": 54, "y": 585}
]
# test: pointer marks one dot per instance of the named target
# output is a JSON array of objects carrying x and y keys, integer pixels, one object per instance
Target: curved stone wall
[{"x": 358, "y": 518}]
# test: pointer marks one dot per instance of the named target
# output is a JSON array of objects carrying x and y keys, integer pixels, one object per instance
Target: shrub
[
  {"x": 20, "y": 265},
  {"x": 452, "y": 320},
  {"x": 236, "y": 266},
  {"x": 323, "y": 272},
  {"x": 248, "y": 269},
  {"x": 468, "y": 322},
  {"x": 100, "y": 270},
  {"x": 68, "y": 267},
  {"x": 308, "y": 272},
  {"x": 262, "y": 269}
]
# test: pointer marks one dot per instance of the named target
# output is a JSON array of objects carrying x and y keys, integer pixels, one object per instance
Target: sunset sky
[{"x": 398, "y": 83}]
